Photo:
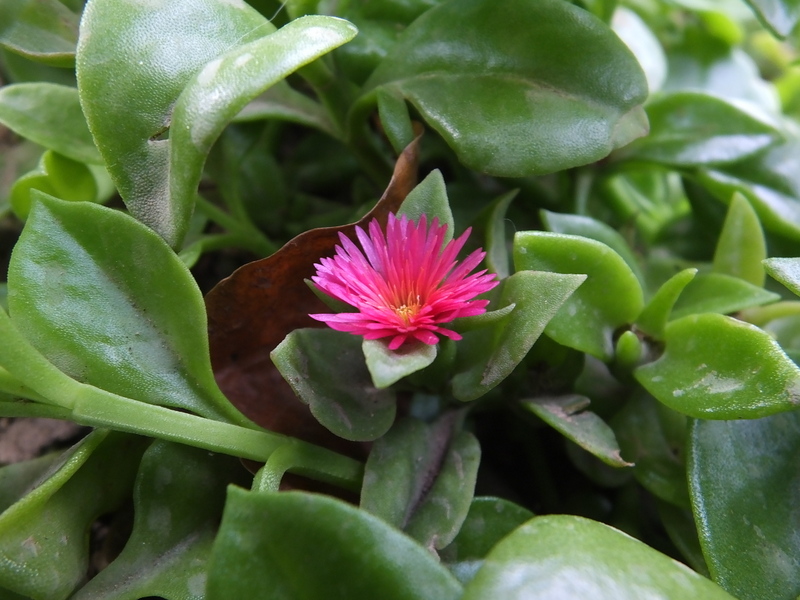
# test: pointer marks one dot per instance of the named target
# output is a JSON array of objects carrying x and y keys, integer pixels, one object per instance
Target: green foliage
[{"x": 631, "y": 171}]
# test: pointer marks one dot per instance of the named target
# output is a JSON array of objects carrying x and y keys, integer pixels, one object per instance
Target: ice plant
[{"x": 405, "y": 284}]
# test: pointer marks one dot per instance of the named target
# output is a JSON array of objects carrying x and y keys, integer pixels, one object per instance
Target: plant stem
[
  {"x": 306, "y": 460},
  {"x": 88, "y": 405}
]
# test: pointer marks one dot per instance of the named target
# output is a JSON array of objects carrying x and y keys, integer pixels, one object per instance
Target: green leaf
[
  {"x": 326, "y": 370},
  {"x": 282, "y": 102},
  {"x": 489, "y": 355},
  {"x": 19, "y": 478},
  {"x": 715, "y": 367},
  {"x": 498, "y": 258},
  {"x": 781, "y": 320},
  {"x": 610, "y": 297},
  {"x": 57, "y": 176},
  {"x": 682, "y": 531},
  {"x": 51, "y": 116},
  {"x": 483, "y": 79},
  {"x": 488, "y": 521},
  {"x": 594, "y": 230},
  {"x": 718, "y": 293},
  {"x": 107, "y": 301},
  {"x": 648, "y": 197},
  {"x": 267, "y": 542},
  {"x": 389, "y": 366},
  {"x": 705, "y": 61},
  {"x": 780, "y": 16},
  {"x": 42, "y": 30},
  {"x": 655, "y": 315},
  {"x": 129, "y": 103},
  {"x": 225, "y": 85},
  {"x": 44, "y": 537},
  {"x": 785, "y": 270},
  {"x": 653, "y": 437},
  {"x": 420, "y": 478},
  {"x": 572, "y": 558},
  {"x": 643, "y": 43},
  {"x": 691, "y": 128},
  {"x": 769, "y": 180},
  {"x": 741, "y": 246},
  {"x": 178, "y": 501},
  {"x": 744, "y": 481},
  {"x": 429, "y": 198},
  {"x": 395, "y": 119},
  {"x": 568, "y": 416},
  {"x": 224, "y": 62}
]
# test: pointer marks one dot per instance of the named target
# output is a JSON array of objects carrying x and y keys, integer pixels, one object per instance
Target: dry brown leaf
[{"x": 250, "y": 313}]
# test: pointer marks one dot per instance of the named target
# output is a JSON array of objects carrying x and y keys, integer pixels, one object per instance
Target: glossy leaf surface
[
  {"x": 745, "y": 495},
  {"x": 572, "y": 558},
  {"x": 689, "y": 129},
  {"x": 49, "y": 115},
  {"x": 489, "y": 355},
  {"x": 610, "y": 297},
  {"x": 741, "y": 246},
  {"x": 568, "y": 415},
  {"x": 106, "y": 300},
  {"x": 326, "y": 370},
  {"x": 267, "y": 542},
  {"x": 429, "y": 198},
  {"x": 655, "y": 315},
  {"x": 719, "y": 293},
  {"x": 594, "y": 230},
  {"x": 715, "y": 367},
  {"x": 770, "y": 180},
  {"x": 420, "y": 478},
  {"x": 481, "y": 78},
  {"x": 488, "y": 521}
]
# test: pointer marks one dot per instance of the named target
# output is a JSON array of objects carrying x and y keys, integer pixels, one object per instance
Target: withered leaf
[{"x": 250, "y": 312}]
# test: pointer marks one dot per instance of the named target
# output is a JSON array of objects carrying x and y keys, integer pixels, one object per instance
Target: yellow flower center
[{"x": 406, "y": 312}]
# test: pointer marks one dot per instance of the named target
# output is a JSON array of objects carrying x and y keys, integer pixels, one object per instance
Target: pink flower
[{"x": 404, "y": 285}]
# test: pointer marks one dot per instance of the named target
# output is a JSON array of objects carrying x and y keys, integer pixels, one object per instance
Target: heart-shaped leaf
[
  {"x": 106, "y": 300},
  {"x": 267, "y": 542},
  {"x": 690, "y": 129},
  {"x": 326, "y": 370},
  {"x": 715, "y": 367},
  {"x": 420, "y": 478},
  {"x": 610, "y": 297},
  {"x": 480, "y": 76},
  {"x": 488, "y": 355},
  {"x": 572, "y": 558}
]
